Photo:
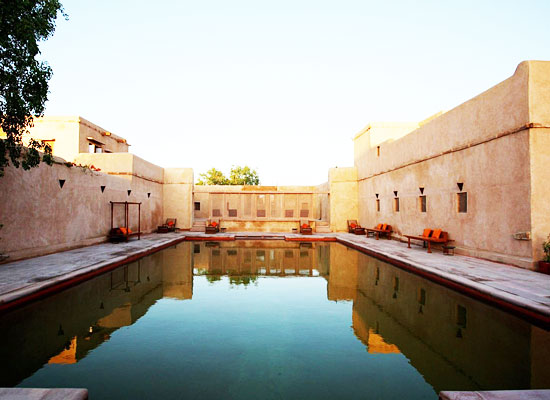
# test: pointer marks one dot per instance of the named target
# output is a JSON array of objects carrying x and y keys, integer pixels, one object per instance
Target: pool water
[{"x": 267, "y": 320}]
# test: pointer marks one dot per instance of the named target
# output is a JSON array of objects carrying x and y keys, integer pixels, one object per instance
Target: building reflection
[
  {"x": 64, "y": 328},
  {"x": 248, "y": 260},
  {"x": 447, "y": 337}
]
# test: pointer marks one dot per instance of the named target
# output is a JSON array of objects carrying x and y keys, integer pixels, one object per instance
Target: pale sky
[{"x": 281, "y": 86}]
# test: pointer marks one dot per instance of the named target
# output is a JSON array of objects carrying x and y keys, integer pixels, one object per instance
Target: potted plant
[{"x": 544, "y": 265}]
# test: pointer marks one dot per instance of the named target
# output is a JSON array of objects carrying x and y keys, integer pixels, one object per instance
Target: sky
[{"x": 281, "y": 86}]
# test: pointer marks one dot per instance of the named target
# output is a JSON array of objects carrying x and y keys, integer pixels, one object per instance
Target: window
[
  {"x": 216, "y": 212},
  {"x": 378, "y": 205},
  {"x": 197, "y": 205},
  {"x": 422, "y": 297},
  {"x": 197, "y": 248},
  {"x": 461, "y": 316},
  {"x": 232, "y": 212},
  {"x": 462, "y": 199},
  {"x": 422, "y": 203},
  {"x": 396, "y": 204},
  {"x": 289, "y": 213}
]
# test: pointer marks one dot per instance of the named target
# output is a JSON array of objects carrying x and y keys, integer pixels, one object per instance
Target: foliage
[
  {"x": 213, "y": 177},
  {"x": 237, "y": 176},
  {"x": 24, "y": 79},
  {"x": 546, "y": 248},
  {"x": 243, "y": 176}
]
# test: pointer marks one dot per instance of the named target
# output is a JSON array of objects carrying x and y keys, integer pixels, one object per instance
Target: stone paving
[
  {"x": 21, "y": 278},
  {"x": 525, "y": 289}
]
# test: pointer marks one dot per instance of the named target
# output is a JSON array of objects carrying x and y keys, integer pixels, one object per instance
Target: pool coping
[{"x": 522, "y": 307}]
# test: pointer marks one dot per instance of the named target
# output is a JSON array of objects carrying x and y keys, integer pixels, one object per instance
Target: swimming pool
[{"x": 271, "y": 319}]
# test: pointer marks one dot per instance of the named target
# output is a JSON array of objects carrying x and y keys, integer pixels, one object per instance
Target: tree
[
  {"x": 243, "y": 176},
  {"x": 237, "y": 176},
  {"x": 23, "y": 78},
  {"x": 213, "y": 177}
]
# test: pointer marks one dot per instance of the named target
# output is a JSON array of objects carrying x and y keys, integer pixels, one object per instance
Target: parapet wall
[{"x": 41, "y": 217}]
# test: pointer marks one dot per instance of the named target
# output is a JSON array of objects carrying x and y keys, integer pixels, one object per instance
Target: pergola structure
[{"x": 118, "y": 236}]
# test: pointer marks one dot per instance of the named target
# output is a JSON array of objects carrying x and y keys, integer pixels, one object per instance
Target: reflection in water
[{"x": 453, "y": 342}]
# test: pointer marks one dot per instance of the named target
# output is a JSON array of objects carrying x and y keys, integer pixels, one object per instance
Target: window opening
[
  {"x": 462, "y": 202},
  {"x": 422, "y": 203}
]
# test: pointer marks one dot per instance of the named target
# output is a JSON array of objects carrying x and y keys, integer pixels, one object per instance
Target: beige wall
[
  {"x": 68, "y": 136},
  {"x": 247, "y": 200},
  {"x": 178, "y": 196},
  {"x": 40, "y": 217},
  {"x": 487, "y": 145},
  {"x": 343, "y": 197}
]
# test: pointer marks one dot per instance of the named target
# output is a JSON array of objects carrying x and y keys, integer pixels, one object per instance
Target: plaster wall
[
  {"x": 539, "y": 149},
  {"x": 113, "y": 143},
  {"x": 492, "y": 145},
  {"x": 125, "y": 165},
  {"x": 40, "y": 217},
  {"x": 247, "y": 200},
  {"x": 343, "y": 189},
  {"x": 178, "y": 196},
  {"x": 62, "y": 133},
  {"x": 68, "y": 136}
]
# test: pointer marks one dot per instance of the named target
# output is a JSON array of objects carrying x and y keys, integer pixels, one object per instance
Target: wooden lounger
[
  {"x": 354, "y": 227},
  {"x": 381, "y": 229},
  {"x": 305, "y": 228},
  {"x": 429, "y": 236},
  {"x": 212, "y": 226}
]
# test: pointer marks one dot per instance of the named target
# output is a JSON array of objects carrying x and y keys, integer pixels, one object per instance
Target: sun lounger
[
  {"x": 430, "y": 236},
  {"x": 169, "y": 226},
  {"x": 121, "y": 234},
  {"x": 354, "y": 227},
  {"x": 380, "y": 229},
  {"x": 213, "y": 226},
  {"x": 305, "y": 228}
]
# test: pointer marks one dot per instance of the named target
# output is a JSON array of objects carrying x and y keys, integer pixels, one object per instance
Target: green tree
[
  {"x": 237, "y": 176},
  {"x": 213, "y": 177},
  {"x": 23, "y": 78},
  {"x": 243, "y": 176}
]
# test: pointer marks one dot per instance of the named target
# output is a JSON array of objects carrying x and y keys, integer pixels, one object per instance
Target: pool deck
[
  {"x": 522, "y": 292},
  {"x": 497, "y": 395}
]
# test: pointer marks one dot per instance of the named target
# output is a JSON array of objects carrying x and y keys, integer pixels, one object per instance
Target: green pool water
[{"x": 267, "y": 320}]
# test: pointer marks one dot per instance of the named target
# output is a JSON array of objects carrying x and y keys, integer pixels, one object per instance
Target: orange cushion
[
  {"x": 353, "y": 226},
  {"x": 305, "y": 226},
  {"x": 170, "y": 223},
  {"x": 384, "y": 227},
  {"x": 214, "y": 224},
  {"x": 379, "y": 226},
  {"x": 426, "y": 232},
  {"x": 129, "y": 231},
  {"x": 437, "y": 234},
  {"x": 123, "y": 231}
]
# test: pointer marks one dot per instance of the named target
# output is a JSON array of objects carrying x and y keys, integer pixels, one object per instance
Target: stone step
[{"x": 322, "y": 229}]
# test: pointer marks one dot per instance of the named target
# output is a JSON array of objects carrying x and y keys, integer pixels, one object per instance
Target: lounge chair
[
  {"x": 430, "y": 236},
  {"x": 169, "y": 226},
  {"x": 380, "y": 229},
  {"x": 305, "y": 228},
  {"x": 213, "y": 226},
  {"x": 354, "y": 227},
  {"x": 121, "y": 234}
]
